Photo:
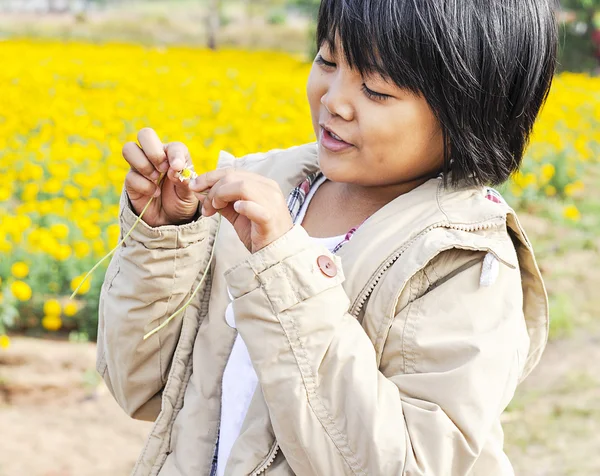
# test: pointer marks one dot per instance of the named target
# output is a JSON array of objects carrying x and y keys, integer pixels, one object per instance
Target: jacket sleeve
[
  {"x": 150, "y": 276},
  {"x": 451, "y": 364}
]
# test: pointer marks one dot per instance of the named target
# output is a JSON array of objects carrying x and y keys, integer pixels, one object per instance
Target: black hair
[{"x": 485, "y": 68}]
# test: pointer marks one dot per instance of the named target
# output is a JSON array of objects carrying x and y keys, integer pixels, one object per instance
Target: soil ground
[{"x": 58, "y": 419}]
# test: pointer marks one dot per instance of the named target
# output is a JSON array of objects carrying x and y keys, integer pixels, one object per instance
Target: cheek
[
  {"x": 409, "y": 125},
  {"x": 314, "y": 89},
  {"x": 314, "y": 92},
  {"x": 408, "y": 130}
]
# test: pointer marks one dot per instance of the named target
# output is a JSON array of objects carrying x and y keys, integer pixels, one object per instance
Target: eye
[
  {"x": 373, "y": 94},
  {"x": 321, "y": 61}
]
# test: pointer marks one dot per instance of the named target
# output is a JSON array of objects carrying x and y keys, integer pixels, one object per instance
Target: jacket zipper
[
  {"x": 268, "y": 461},
  {"x": 362, "y": 299}
]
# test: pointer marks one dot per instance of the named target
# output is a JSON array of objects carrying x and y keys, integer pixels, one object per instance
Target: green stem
[
  {"x": 89, "y": 273},
  {"x": 176, "y": 313}
]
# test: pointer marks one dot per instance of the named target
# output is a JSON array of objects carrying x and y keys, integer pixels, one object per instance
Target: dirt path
[
  {"x": 553, "y": 426},
  {"x": 57, "y": 418}
]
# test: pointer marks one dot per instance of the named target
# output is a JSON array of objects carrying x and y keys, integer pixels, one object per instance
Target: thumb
[{"x": 182, "y": 187}]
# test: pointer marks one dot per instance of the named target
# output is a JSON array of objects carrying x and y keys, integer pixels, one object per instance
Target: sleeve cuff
[
  {"x": 167, "y": 236},
  {"x": 287, "y": 270}
]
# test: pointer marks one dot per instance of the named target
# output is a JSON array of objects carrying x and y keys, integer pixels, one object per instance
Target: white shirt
[{"x": 239, "y": 378}]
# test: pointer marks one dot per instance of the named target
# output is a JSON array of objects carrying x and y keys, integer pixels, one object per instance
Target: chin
[{"x": 335, "y": 169}]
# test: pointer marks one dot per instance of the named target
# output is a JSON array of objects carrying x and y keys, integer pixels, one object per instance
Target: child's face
[{"x": 388, "y": 138}]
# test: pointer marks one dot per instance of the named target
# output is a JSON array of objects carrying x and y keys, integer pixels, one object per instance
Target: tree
[
  {"x": 212, "y": 23},
  {"x": 577, "y": 47},
  {"x": 310, "y": 7},
  {"x": 584, "y": 9}
]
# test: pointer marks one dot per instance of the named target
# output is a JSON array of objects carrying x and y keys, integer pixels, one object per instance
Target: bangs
[{"x": 396, "y": 49}]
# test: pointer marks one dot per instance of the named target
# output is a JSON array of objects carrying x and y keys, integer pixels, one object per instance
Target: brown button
[{"x": 327, "y": 266}]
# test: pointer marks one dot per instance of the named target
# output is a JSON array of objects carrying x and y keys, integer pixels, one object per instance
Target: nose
[{"x": 337, "y": 99}]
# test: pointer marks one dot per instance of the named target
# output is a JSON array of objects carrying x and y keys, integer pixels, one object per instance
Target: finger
[
  {"x": 205, "y": 181},
  {"x": 228, "y": 191},
  {"x": 182, "y": 189},
  {"x": 253, "y": 211},
  {"x": 201, "y": 196},
  {"x": 136, "y": 158},
  {"x": 212, "y": 200},
  {"x": 140, "y": 185},
  {"x": 207, "y": 209},
  {"x": 153, "y": 148},
  {"x": 178, "y": 155}
]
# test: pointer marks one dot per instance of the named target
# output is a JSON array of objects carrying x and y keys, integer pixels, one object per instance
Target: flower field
[{"x": 68, "y": 108}]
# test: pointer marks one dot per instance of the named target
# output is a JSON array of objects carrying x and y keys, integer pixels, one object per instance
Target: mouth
[{"x": 332, "y": 141}]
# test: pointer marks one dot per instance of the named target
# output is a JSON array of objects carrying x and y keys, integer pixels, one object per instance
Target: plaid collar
[{"x": 298, "y": 195}]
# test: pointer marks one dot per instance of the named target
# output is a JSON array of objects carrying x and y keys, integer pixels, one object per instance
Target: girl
[{"x": 378, "y": 322}]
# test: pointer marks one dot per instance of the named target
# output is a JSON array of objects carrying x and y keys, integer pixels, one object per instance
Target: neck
[{"x": 366, "y": 199}]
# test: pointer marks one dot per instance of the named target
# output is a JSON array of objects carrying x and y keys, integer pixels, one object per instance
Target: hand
[
  {"x": 253, "y": 204},
  {"x": 174, "y": 203}
]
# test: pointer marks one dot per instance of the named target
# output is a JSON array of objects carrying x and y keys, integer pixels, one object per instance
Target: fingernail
[
  {"x": 156, "y": 193},
  {"x": 203, "y": 210},
  {"x": 193, "y": 186},
  {"x": 163, "y": 167},
  {"x": 178, "y": 164},
  {"x": 154, "y": 175}
]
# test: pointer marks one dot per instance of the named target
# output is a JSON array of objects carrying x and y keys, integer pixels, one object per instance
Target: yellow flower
[
  {"x": 52, "y": 307},
  {"x": 21, "y": 290},
  {"x": 114, "y": 232},
  {"x": 550, "y": 190},
  {"x": 52, "y": 186},
  {"x": 85, "y": 287},
  {"x": 81, "y": 248},
  {"x": 524, "y": 180},
  {"x": 95, "y": 204},
  {"x": 98, "y": 247},
  {"x": 5, "y": 193},
  {"x": 60, "y": 231},
  {"x": 23, "y": 222},
  {"x": 4, "y": 341},
  {"x": 91, "y": 231},
  {"x": 574, "y": 189},
  {"x": 51, "y": 323},
  {"x": 70, "y": 309},
  {"x": 572, "y": 213},
  {"x": 19, "y": 270},
  {"x": 71, "y": 192},
  {"x": 62, "y": 252},
  {"x": 548, "y": 171},
  {"x": 30, "y": 191}
]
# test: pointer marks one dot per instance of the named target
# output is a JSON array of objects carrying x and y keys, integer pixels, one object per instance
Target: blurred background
[{"x": 79, "y": 78}]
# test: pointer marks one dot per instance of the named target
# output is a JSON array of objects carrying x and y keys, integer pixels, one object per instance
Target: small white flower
[{"x": 187, "y": 174}]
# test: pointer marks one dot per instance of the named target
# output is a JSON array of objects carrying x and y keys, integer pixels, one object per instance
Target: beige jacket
[{"x": 400, "y": 363}]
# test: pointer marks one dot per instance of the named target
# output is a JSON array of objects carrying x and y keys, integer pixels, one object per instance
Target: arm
[
  {"x": 430, "y": 406},
  {"x": 149, "y": 278}
]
